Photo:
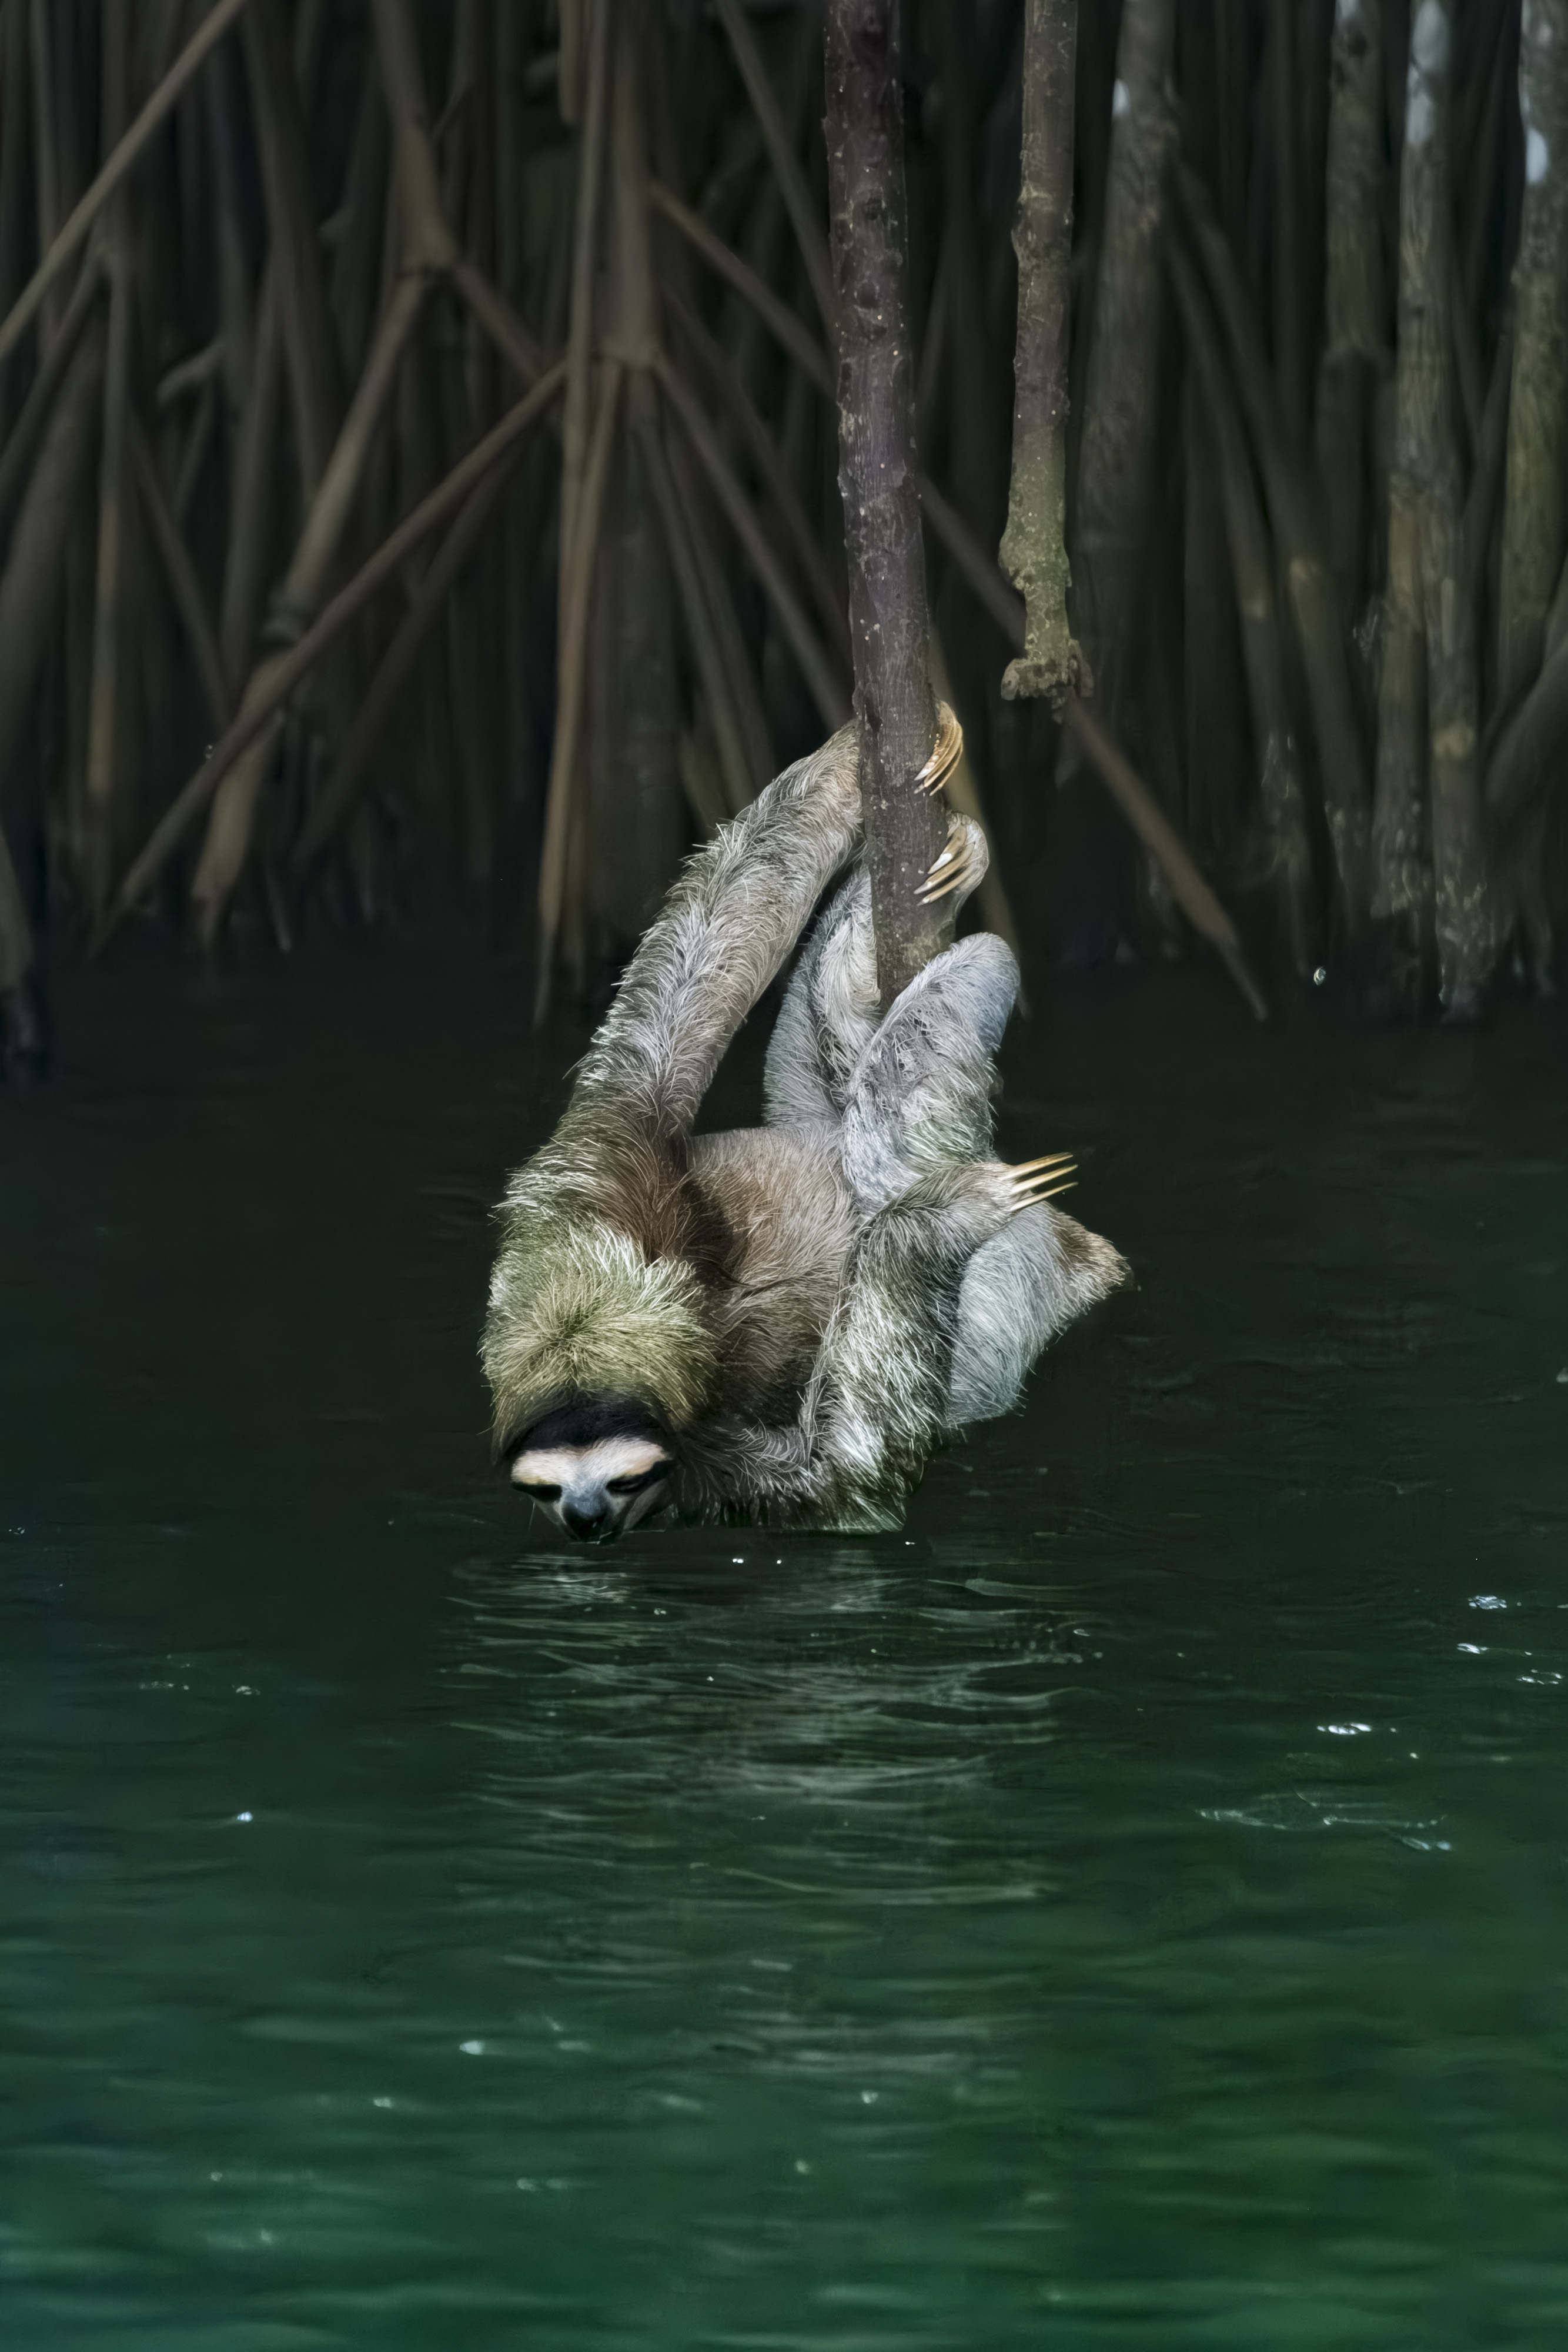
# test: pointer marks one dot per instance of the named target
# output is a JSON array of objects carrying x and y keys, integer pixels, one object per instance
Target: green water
[{"x": 1129, "y": 1909}]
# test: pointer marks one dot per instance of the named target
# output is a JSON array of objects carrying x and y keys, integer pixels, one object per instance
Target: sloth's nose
[{"x": 587, "y": 1525}]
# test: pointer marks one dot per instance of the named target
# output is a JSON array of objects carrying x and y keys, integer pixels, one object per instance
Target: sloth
[{"x": 778, "y": 1325}]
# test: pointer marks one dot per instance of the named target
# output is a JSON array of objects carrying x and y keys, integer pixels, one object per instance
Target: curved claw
[
  {"x": 1032, "y": 1180},
  {"x": 945, "y": 752},
  {"x": 958, "y": 867}
]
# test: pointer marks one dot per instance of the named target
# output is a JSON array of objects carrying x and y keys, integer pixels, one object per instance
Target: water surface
[{"x": 1129, "y": 1908}]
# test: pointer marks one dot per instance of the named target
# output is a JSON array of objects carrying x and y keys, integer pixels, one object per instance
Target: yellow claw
[
  {"x": 945, "y": 752},
  {"x": 1032, "y": 1180},
  {"x": 953, "y": 868},
  {"x": 1028, "y": 1199}
]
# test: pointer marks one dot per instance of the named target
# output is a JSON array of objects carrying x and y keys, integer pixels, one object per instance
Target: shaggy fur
[{"x": 804, "y": 1308}]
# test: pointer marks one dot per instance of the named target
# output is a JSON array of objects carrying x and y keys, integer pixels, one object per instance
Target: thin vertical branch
[
  {"x": 21, "y": 1038},
  {"x": 1286, "y": 257},
  {"x": 185, "y": 584},
  {"x": 1117, "y": 453},
  {"x": 46, "y": 161},
  {"x": 1354, "y": 357},
  {"x": 15, "y": 165},
  {"x": 774, "y": 470},
  {"x": 1426, "y": 604},
  {"x": 1465, "y": 925},
  {"x": 962, "y": 791},
  {"x": 1165, "y": 847},
  {"x": 1034, "y": 549},
  {"x": 1319, "y": 623},
  {"x": 1535, "y": 497},
  {"x": 577, "y": 590},
  {"x": 253, "y": 499},
  {"x": 798, "y": 633},
  {"x": 235, "y": 302},
  {"x": 741, "y": 782},
  {"x": 737, "y": 657},
  {"x": 1218, "y": 755},
  {"x": 109, "y": 624},
  {"x": 585, "y": 245},
  {"x": 305, "y": 313},
  {"x": 35, "y": 569},
  {"x": 888, "y": 625},
  {"x": 1286, "y": 860},
  {"x": 299, "y": 598},
  {"x": 22, "y": 443}
]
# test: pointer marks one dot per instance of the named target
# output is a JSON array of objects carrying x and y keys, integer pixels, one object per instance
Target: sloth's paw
[
  {"x": 1032, "y": 1180},
  {"x": 945, "y": 752},
  {"x": 982, "y": 1196},
  {"x": 961, "y": 866}
]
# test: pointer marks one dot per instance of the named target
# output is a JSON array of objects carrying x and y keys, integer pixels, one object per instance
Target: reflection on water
[{"x": 1127, "y": 1909}]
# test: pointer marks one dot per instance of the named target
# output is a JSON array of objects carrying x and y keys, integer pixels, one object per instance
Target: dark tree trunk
[
  {"x": 1034, "y": 551},
  {"x": 1425, "y": 579},
  {"x": 1219, "y": 753},
  {"x": 1355, "y": 359},
  {"x": 304, "y": 312},
  {"x": 1292, "y": 514},
  {"x": 1118, "y": 459},
  {"x": 904, "y": 831},
  {"x": 1290, "y": 323},
  {"x": 630, "y": 789},
  {"x": 1285, "y": 858},
  {"x": 1535, "y": 512}
]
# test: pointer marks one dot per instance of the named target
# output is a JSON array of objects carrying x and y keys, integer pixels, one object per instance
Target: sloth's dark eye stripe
[{"x": 635, "y": 1485}]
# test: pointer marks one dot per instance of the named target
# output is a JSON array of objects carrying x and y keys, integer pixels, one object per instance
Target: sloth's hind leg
[
  {"x": 831, "y": 1011},
  {"x": 921, "y": 1098}
]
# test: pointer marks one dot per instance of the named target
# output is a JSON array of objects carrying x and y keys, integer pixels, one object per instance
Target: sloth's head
[
  {"x": 601, "y": 1351},
  {"x": 598, "y": 1465}
]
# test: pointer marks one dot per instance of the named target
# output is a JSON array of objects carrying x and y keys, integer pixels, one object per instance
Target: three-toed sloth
[{"x": 779, "y": 1323}]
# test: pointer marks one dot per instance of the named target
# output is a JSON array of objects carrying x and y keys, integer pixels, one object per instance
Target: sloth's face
[{"x": 595, "y": 1491}]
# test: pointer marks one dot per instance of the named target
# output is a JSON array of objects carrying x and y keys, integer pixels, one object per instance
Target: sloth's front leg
[
  {"x": 1027, "y": 1284},
  {"x": 828, "y": 1015}
]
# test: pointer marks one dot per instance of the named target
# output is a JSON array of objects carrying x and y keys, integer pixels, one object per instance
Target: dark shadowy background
[{"x": 1281, "y": 338}]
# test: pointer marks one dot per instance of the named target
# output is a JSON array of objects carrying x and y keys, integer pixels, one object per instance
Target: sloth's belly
[{"x": 793, "y": 1220}]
